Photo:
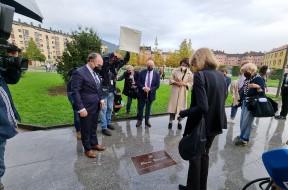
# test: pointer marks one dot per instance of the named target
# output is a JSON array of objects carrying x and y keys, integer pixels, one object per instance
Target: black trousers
[
  {"x": 198, "y": 169},
  {"x": 141, "y": 104},
  {"x": 284, "y": 109},
  {"x": 88, "y": 127}
]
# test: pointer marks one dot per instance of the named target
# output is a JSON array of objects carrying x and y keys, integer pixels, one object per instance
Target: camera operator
[
  {"x": 112, "y": 64},
  {"x": 8, "y": 114}
]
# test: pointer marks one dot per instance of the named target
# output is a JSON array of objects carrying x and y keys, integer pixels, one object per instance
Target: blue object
[{"x": 276, "y": 164}]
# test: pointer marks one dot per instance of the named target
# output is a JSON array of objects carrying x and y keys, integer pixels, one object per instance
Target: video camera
[{"x": 11, "y": 65}]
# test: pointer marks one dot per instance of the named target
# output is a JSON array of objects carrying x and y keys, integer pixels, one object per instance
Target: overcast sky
[{"x": 232, "y": 25}]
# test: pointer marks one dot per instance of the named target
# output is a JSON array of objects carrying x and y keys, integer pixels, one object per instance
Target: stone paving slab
[{"x": 54, "y": 160}]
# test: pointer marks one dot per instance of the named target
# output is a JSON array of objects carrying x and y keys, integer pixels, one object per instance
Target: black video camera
[{"x": 11, "y": 65}]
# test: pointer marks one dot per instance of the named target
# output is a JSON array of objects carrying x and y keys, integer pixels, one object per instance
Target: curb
[{"x": 37, "y": 127}]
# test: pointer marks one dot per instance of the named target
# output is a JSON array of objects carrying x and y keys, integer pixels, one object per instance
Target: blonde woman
[
  {"x": 253, "y": 85},
  {"x": 181, "y": 82},
  {"x": 208, "y": 101}
]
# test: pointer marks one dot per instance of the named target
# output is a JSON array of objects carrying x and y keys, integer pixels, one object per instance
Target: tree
[
  {"x": 158, "y": 59},
  {"x": 185, "y": 50},
  {"x": 133, "y": 59},
  {"x": 84, "y": 41},
  {"x": 33, "y": 53},
  {"x": 172, "y": 59}
]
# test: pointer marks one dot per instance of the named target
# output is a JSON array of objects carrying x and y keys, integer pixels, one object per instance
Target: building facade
[
  {"x": 237, "y": 59},
  {"x": 51, "y": 43},
  {"x": 276, "y": 57}
]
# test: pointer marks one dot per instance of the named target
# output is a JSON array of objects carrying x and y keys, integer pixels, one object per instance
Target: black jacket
[
  {"x": 109, "y": 72},
  {"x": 209, "y": 100},
  {"x": 129, "y": 87}
]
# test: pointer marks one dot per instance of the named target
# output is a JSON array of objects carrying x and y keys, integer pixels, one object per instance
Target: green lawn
[{"x": 36, "y": 107}]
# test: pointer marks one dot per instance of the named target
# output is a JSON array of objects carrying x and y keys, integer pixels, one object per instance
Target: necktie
[
  {"x": 149, "y": 80},
  {"x": 96, "y": 79}
]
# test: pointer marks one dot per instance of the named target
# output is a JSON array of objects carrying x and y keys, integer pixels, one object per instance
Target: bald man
[
  {"x": 148, "y": 82},
  {"x": 87, "y": 94}
]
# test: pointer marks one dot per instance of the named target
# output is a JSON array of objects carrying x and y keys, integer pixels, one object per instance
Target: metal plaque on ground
[{"x": 153, "y": 161}]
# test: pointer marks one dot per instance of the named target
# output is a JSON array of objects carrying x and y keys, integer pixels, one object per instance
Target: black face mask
[
  {"x": 149, "y": 68},
  {"x": 247, "y": 75},
  {"x": 97, "y": 69}
]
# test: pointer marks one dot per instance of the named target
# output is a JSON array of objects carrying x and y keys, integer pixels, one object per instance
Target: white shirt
[
  {"x": 151, "y": 78},
  {"x": 95, "y": 77}
]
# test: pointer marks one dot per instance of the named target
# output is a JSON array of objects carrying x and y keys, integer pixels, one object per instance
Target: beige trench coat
[
  {"x": 234, "y": 88},
  {"x": 178, "y": 97}
]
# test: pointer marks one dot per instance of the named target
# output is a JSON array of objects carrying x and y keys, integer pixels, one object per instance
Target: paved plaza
[{"x": 54, "y": 160}]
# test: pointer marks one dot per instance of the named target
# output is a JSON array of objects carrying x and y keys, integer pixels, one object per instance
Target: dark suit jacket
[
  {"x": 154, "y": 85},
  {"x": 208, "y": 99},
  {"x": 85, "y": 92},
  {"x": 284, "y": 89}
]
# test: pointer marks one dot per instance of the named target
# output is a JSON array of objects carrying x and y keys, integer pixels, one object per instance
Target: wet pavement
[{"x": 53, "y": 159}]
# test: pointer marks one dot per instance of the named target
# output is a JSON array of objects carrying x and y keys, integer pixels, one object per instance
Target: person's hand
[
  {"x": 83, "y": 113},
  {"x": 182, "y": 113},
  {"x": 253, "y": 85},
  {"x": 102, "y": 104}
]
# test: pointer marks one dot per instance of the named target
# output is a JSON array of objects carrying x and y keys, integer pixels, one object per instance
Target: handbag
[
  {"x": 260, "y": 106},
  {"x": 194, "y": 144}
]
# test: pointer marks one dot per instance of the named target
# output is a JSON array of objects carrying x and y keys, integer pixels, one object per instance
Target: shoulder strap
[{"x": 184, "y": 74}]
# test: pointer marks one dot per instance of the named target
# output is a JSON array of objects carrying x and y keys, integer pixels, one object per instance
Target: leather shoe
[
  {"x": 179, "y": 126},
  {"x": 98, "y": 147},
  {"x": 90, "y": 154},
  {"x": 182, "y": 187},
  {"x": 139, "y": 123},
  {"x": 106, "y": 132},
  {"x": 148, "y": 124},
  {"x": 170, "y": 126},
  {"x": 111, "y": 127}
]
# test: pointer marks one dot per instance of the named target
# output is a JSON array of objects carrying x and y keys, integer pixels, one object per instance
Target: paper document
[{"x": 130, "y": 39}]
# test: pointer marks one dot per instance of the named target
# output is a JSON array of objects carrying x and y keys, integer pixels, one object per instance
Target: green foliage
[
  {"x": 33, "y": 53},
  {"x": 276, "y": 74},
  {"x": 185, "y": 50},
  {"x": 235, "y": 71},
  {"x": 84, "y": 41},
  {"x": 158, "y": 59}
]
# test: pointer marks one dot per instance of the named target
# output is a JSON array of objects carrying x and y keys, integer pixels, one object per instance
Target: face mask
[
  {"x": 149, "y": 68},
  {"x": 183, "y": 68},
  {"x": 247, "y": 75},
  {"x": 97, "y": 69}
]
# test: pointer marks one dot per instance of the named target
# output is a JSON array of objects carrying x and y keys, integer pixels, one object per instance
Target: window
[
  {"x": 20, "y": 36},
  {"x": 19, "y": 30}
]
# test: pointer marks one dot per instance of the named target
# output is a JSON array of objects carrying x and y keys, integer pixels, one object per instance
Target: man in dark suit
[
  {"x": 148, "y": 82},
  {"x": 284, "y": 94},
  {"x": 86, "y": 92}
]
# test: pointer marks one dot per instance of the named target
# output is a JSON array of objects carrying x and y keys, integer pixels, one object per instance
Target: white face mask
[{"x": 183, "y": 68}]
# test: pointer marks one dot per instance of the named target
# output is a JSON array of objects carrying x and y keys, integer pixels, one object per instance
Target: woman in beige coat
[{"x": 181, "y": 82}]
